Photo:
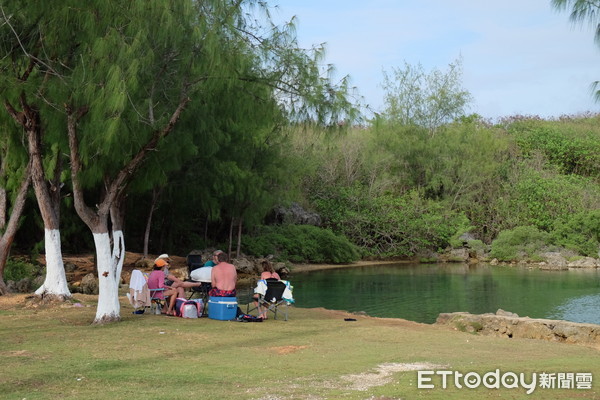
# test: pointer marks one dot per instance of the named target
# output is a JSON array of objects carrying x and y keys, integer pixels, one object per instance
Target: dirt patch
[
  {"x": 283, "y": 350},
  {"x": 12, "y": 301},
  {"x": 382, "y": 375}
]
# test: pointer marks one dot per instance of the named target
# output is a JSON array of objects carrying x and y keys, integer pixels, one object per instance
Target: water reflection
[{"x": 419, "y": 292}]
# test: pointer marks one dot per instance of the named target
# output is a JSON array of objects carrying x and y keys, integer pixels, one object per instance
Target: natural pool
[{"x": 419, "y": 292}]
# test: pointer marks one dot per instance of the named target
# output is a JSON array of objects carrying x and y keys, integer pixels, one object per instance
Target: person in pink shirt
[{"x": 156, "y": 280}]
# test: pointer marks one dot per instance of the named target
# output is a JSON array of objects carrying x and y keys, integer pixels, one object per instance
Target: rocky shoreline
[
  {"x": 510, "y": 325},
  {"x": 82, "y": 277}
]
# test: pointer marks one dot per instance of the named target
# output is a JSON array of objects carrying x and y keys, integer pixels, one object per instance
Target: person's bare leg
[{"x": 172, "y": 300}]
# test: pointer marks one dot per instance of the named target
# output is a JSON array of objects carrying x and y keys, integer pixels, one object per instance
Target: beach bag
[{"x": 189, "y": 308}]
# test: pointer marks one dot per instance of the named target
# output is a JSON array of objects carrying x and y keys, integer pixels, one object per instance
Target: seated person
[
  {"x": 156, "y": 280},
  {"x": 199, "y": 276},
  {"x": 268, "y": 273},
  {"x": 223, "y": 278}
]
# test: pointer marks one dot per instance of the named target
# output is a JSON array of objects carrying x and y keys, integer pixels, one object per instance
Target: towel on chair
[
  {"x": 137, "y": 280},
  {"x": 139, "y": 295},
  {"x": 261, "y": 288}
]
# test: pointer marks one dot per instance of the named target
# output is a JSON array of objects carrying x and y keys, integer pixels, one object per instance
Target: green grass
[{"x": 53, "y": 352}]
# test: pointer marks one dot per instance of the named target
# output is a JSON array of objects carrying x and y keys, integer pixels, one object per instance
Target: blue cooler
[{"x": 222, "y": 308}]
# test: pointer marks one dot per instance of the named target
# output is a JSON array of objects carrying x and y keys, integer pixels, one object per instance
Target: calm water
[{"x": 420, "y": 292}]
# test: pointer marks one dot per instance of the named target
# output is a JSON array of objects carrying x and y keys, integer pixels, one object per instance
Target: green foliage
[
  {"x": 389, "y": 225},
  {"x": 541, "y": 198},
  {"x": 429, "y": 100},
  {"x": 17, "y": 269},
  {"x": 516, "y": 243},
  {"x": 300, "y": 243},
  {"x": 580, "y": 232},
  {"x": 573, "y": 146}
]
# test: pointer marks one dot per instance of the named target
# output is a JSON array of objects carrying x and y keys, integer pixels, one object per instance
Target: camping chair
[
  {"x": 270, "y": 297},
  {"x": 156, "y": 302},
  {"x": 193, "y": 261},
  {"x": 139, "y": 294}
]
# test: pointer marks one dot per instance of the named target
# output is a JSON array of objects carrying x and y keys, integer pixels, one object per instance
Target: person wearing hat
[{"x": 156, "y": 280}]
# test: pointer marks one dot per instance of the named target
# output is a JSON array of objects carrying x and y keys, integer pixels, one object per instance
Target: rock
[
  {"x": 281, "y": 269},
  {"x": 295, "y": 214},
  {"x": 585, "y": 262},
  {"x": 12, "y": 286},
  {"x": 554, "y": 260},
  {"x": 244, "y": 266},
  {"x": 506, "y": 324},
  {"x": 89, "y": 284},
  {"x": 70, "y": 267},
  {"x": 23, "y": 286},
  {"x": 144, "y": 264},
  {"x": 503, "y": 313},
  {"x": 38, "y": 281},
  {"x": 466, "y": 237},
  {"x": 459, "y": 255}
]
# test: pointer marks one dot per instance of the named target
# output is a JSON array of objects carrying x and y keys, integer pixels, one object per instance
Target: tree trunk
[
  {"x": 109, "y": 259},
  {"x": 55, "y": 284},
  {"x": 108, "y": 309},
  {"x": 206, "y": 230},
  {"x": 11, "y": 225},
  {"x": 230, "y": 237},
  {"x": 239, "y": 241},
  {"x": 155, "y": 196}
]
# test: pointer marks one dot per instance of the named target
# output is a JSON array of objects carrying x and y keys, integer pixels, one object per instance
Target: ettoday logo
[{"x": 496, "y": 379}]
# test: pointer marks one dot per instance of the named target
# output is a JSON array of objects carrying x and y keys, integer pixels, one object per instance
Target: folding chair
[
  {"x": 139, "y": 294},
  {"x": 270, "y": 297},
  {"x": 202, "y": 292},
  {"x": 156, "y": 301},
  {"x": 193, "y": 262}
]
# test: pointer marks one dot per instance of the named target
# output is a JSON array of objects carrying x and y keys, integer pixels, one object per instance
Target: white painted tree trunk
[
  {"x": 55, "y": 283},
  {"x": 110, "y": 264}
]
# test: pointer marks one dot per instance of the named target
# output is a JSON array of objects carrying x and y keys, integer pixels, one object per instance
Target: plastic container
[
  {"x": 190, "y": 311},
  {"x": 222, "y": 308}
]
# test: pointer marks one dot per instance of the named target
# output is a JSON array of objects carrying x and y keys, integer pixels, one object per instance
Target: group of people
[{"x": 223, "y": 279}]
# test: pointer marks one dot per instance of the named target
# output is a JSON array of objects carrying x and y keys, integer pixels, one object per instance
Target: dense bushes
[
  {"x": 17, "y": 269},
  {"x": 300, "y": 243},
  {"x": 580, "y": 233},
  {"x": 520, "y": 242},
  {"x": 390, "y": 226}
]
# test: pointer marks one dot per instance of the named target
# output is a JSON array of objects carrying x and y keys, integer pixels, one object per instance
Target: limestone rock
[
  {"x": 503, "y": 324},
  {"x": 89, "y": 284},
  {"x": 295, "y": 214},
  {"x": 554, "y": 260},
  {"x": 585, "y": 262},
  {"x": 244, "y": 265}
]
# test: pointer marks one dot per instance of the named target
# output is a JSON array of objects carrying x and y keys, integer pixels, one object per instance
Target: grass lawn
[{"x": 53, "y": 352}]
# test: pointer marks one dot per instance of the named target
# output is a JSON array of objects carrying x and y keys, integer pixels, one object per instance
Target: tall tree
[
  {"x": 429, "y": 100},
  {"x": 14, "y": 185},
  {"x": 119, "y": 86},
  {"x": 23, "y": 83}
]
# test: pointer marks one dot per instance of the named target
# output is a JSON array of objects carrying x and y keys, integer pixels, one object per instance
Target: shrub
[
  {"x": 389, "y": 225},
  {"x": 300, "y": 243},
  {"x": 580, "y": 233},
  {"x": 520, "y": 241},
  {"x": 16, "y": 269}
]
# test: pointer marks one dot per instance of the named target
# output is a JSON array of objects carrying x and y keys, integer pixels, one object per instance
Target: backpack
[{"x": 188, "y": 308}]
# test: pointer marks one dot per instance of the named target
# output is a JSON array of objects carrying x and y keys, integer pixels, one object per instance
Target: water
[{"x": 419, "y": 292}]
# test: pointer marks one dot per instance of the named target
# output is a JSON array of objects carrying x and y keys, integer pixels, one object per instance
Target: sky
[{"x": 519, "y": 57}]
